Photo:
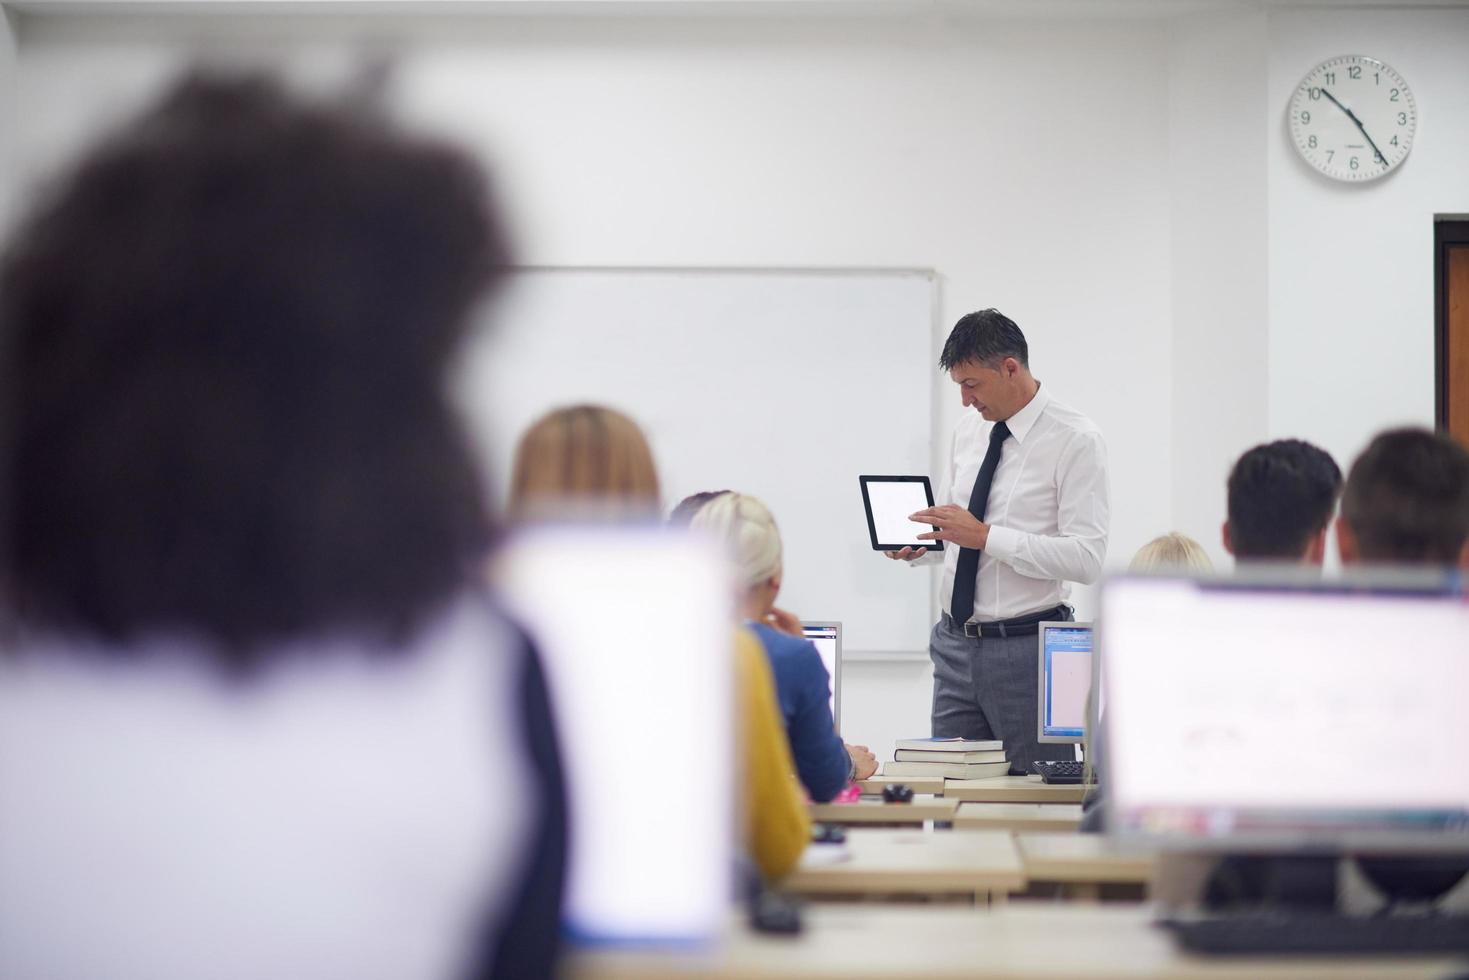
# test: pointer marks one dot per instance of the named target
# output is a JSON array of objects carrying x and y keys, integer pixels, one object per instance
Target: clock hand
[{"x": 1353, "y": 117}]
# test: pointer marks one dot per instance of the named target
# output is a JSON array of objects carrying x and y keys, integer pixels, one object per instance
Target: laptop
[{"x": 828, "y": 640}]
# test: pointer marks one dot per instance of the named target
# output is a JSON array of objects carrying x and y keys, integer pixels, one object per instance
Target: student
[
  {"x": 1281, "y": 499},
  {"x": 684, "y": 512},
  {"x": 256, "y": 714},
  {"x": 595, "y": 461},
  {"x": 777, "y": 826},
  {"x": 1173, "y": 551},
  {"x": 1406, "y": 502},
  {"x": 823, "y": 762},
  {"x": 584, "y": 461}
]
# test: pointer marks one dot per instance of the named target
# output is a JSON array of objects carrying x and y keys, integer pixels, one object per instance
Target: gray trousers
[{"x": 985, "y": 688}]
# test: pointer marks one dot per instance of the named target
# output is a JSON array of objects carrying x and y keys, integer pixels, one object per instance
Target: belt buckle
[
  {"x": 971, "y": 630},
  {"x": 1001, "y": 625}
]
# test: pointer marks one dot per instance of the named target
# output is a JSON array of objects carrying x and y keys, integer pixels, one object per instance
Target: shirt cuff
[{"x": 1002, "y": 543}]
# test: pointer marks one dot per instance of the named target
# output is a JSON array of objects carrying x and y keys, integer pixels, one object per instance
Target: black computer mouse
[
  {"x": 828, "y": 833},
  {"x": 897, "y": 793},
  {"x": 773, "y": 912}
]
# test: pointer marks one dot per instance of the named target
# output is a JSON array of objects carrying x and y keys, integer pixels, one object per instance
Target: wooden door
[{"x": 1451, "y": 267}]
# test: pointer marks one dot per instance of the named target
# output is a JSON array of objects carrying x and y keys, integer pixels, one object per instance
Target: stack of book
[{"x": 950, "y": 758}]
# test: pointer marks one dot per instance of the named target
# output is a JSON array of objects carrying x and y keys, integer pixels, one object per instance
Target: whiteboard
[{"x": 784, "y": 385}]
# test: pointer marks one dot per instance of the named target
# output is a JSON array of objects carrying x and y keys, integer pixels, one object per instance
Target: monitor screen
[
  {"x": 637, "y": 631},
  {"x": 1065, "y": 651},
  {"x": 827, "y": 638},
  {"x": 1282, "y": 715}
]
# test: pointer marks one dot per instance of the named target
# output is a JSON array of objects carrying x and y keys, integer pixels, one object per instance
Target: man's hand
[
  {"x": 954, "y": 524},
  {"x": 907, "y": 554},
  {"x": 864, "y": 763},
  {"x": 784, "y": 622}
]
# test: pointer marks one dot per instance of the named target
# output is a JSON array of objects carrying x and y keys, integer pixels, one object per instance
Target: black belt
[{"x": 1027, "y": 625}]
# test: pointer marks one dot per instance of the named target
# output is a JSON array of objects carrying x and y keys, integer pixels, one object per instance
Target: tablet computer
[{"x": 889, "y": 500}]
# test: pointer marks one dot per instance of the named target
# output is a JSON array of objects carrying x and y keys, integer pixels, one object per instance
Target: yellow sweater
[{"x": 777, "y": 827}]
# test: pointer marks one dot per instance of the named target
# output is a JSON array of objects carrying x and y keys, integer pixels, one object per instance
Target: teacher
[{"x": 1026, "y": 512}]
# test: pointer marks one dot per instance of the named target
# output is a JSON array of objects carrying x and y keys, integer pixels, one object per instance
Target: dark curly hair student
[
  {"x": 222, "y": 348},
  {"x": 247, "y": 665}
]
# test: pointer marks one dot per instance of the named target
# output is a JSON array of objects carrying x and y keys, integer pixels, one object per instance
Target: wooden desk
[
  {"x": 1020, "y": 941},
  {"x": 904, "y": 862},
  {"x": 1012, "y": 789},
  {"x": 921, "y": 809},
  {"x": 919, "y": 784},
  {"x": 1083, "y": 859},
  {"x": 1086, "y": 867},
  {"x": 1019, "y": 817}
]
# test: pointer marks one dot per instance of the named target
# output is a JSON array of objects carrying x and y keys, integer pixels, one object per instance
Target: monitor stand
[
  {"x": 1413, "y": 879},
  {"x": 1203, "y": 882},
  {"x": 1240, "y": 882}
]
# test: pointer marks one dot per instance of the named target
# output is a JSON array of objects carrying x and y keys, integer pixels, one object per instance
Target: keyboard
[
  {"x": 1306, "y": 932},
  {"x": 1060, "y": 772}
]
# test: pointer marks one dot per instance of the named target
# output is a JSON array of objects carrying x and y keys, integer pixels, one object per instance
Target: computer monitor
[
  {"x": 636, "y": 632},
  {"x": 1287, "y": 714},
  {"x": 1065, "y": 667},
  {"x": 828, "y": 640}
]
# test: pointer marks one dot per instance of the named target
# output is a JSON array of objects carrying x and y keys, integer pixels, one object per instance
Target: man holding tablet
[{"x": 1025, "y": 511}]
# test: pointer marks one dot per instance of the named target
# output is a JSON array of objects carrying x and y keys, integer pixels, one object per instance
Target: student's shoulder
[{"x": 784, "y": 647}]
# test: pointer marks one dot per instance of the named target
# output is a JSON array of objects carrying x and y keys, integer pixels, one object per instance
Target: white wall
[
  {"x": 1217, "y": 168},
  {"x": 1351, "y": 268},
  {"x": 1025, "y": 162}
]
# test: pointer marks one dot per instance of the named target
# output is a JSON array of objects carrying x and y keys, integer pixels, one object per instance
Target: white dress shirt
[{"x": 1048, "y": 511}]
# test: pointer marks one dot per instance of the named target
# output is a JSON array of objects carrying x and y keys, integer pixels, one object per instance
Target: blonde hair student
[
  {"x": 588, "y": 457},
  {"x": 597, "y": 462},
  {"x": 1171, "y": 552},
  {"x": 823, "y": 761}
]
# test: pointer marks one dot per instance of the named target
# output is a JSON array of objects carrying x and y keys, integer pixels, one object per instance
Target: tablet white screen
[{"x": 891, "y": 503}]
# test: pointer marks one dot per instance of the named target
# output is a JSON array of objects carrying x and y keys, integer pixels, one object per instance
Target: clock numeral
[
  {"x": 1354, "y": 72},
  {"x": 1311, "y": 141},
  {"x": 1315, "y": 94},
  {"x": 1331, "y": 78},
  {"x": 1378, "y": 158},
  {"x": 1402, "y": 119},
  {"x": 1394, "y": 141},
  {"x": 1329, "y": 155},
  {"x": 1305, "y": 118},
  {"x": 1353, "y": 163},
  {"x": 1377, "y": 78},
  {"x": 1392, "y": 96}
]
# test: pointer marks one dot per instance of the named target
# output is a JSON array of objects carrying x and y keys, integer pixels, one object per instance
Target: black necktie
[{"x": 962, "y": 606}]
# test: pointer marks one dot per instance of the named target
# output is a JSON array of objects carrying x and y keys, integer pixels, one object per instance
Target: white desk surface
[
  {"x": 1012, "y": 789},
  {"x": 1019, "y": 941},
  {"x": 1019, "y": 817},
  {"x": 868, "y": 810},
  {"x": 911, "y": 862}
]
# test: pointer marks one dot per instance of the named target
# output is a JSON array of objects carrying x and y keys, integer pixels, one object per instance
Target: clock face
[{"x": 1353, "y": 118}]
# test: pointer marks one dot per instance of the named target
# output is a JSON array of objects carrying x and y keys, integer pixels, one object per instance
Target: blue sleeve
[{"x": 821, "y": 757}]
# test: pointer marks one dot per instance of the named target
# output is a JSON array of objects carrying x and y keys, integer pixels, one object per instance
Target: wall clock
[{"x": 1353, "y": 118}]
